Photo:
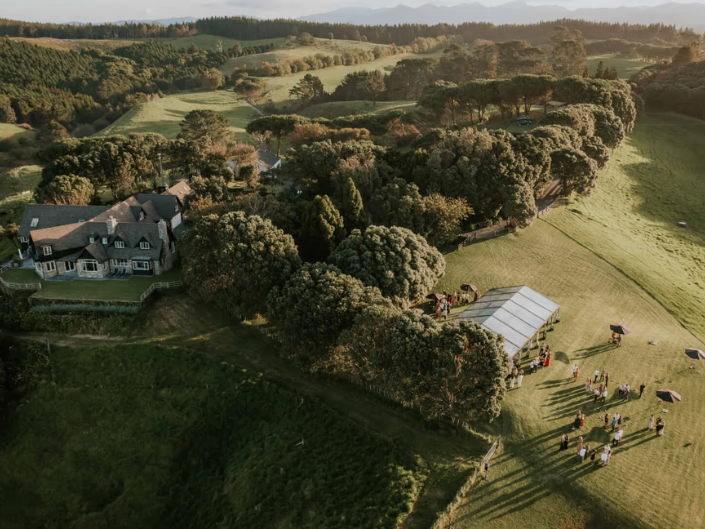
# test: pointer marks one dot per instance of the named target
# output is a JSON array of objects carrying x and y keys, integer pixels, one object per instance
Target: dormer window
[
  {"x": 47, "y": 250},
  {"x": 105, "y": 241},
  {"x": 176, "y": 208},
  {"x": 119, "y": 244},
  {"x": 24, "y": 239},
  {"x": 91, "y": 240},
  {"x": 144, "y": 245},
  {"x": 141, "y": 215},
  {"x": 81, "y": 220},
  {"x": 35, "y": 223}
]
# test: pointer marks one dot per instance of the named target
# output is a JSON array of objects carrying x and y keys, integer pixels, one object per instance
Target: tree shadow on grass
[
  {"x": 593, "y": 351},
  {"x": 562, "y": 357}
]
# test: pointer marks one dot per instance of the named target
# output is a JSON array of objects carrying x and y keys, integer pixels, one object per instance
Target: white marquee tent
[{"x": 517, "y": 313}]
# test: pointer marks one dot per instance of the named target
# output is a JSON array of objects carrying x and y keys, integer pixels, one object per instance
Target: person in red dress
[{"x": 548, "y": 359}]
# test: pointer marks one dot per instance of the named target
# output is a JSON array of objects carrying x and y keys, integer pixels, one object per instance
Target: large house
[{"x": 137, "y": 236}]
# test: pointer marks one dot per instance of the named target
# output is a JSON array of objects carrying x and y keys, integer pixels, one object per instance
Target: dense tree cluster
[
  {"x": 396, "y": 260},
  {"x": 471, "y": 100},
  {"x": 116, "y": 162},
  {"x": 353, "y": 57},
  {"x": 44, "y": 84},
  {"x": 402, "y": 34},
  {"x": 235, "y": 259},
  {"x": 631, "y": 50},
  {"x": 452, "y": 371}
]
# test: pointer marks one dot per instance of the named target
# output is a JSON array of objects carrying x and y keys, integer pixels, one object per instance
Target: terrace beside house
[{"x": 135, "y": 237}]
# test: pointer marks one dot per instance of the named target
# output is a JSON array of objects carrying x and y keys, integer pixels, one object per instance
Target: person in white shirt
[{"x": 597, "y": 374}]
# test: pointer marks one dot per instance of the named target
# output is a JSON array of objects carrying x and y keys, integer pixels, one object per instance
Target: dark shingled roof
[
  {"x": 267, "y": 159},
  {"x": 50, "y": 216},
  {"x": 164, "y": 204}
]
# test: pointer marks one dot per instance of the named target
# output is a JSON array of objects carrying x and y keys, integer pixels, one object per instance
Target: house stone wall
[{"x": 103, "y": 270}]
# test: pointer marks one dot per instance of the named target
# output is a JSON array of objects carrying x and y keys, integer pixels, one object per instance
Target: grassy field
[
  {"x": 163, "y": 116},
  {"x": 654, "y": 180},
  {"x": 14, "y": 195},
  {"x": 619, "y": 249},
  {"x": 278, "y": 87},
  {"x": 149, "y": 436},
  {"x": 207, "y": 42},
  {"x": 8, "y": 131},
  {"x": 345, "y": 108},
  {"x": 625, "y": 67},
  {"x": 325, "y": 46},
  {"x": 77, "y": 44},
  {"x": 90, "y": 290},
  {"x": 647, "y": 482}
]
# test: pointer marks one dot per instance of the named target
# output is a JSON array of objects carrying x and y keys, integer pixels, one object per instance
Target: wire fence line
[{"x": 445, "y": 519}]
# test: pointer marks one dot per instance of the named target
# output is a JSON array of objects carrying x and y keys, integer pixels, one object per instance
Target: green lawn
[
  {"x": 654, "y": 180},
  {"x": 90, "y": 290},
  {"x": 13, "y": 131},
  {"x": 648, "y": 481},
  {"x": 625, "y": 67},
  {"x": 345, "y": 108},
  {"x": 149, "y": 436},
  {"x": 163, "y": 116}
]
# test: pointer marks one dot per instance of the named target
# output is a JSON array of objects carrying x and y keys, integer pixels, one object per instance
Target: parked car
[{"x": 524, "y": 120}]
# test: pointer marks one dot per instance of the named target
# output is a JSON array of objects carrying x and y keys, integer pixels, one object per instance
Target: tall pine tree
[
  {"x": 322, "y": 229},
  {"x": 353, "y": 209}
]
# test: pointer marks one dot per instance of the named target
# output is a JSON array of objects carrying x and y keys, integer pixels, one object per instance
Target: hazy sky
[{"x": 109, "y": 10}]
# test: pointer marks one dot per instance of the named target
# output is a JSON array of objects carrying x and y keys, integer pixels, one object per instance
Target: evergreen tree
[
  {"x": 352, "y": 208},
  {"x": 322, "y": 229}
]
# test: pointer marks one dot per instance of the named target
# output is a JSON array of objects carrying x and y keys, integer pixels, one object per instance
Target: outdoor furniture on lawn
[
  {"x": 467, "y": 287},
  {"x": 435, "y": 297},
  {"x": 668, "y": 395},
  {"x": 695, "y": 354},
  {"x": 619, "y": 329}
]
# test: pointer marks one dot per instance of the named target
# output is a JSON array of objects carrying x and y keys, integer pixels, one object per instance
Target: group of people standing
[
  {"x": 660, "y": 424},
  {"x": 444, "y": 304}
]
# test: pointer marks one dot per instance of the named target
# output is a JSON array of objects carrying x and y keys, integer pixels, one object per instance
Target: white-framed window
[
  {"x": 24, "y": 239},
  {"x": 91, "y": 240},
  {"x": 89, "y": 266},
  {"x": 51, "y": 266},
  {"x": 46, "y": 250},
  {"x": 70, "y": 267},
  {"x": 34, "y": 223},
  {"x": 105, "y": 241},
  {"x": 119, "y": 244},
  {"x": 176, "y": 207},
  {"x": 141, "y": 265},
  {"x": 121, "y": 262},
  {"x": 141, "y": 215},
  {"x": 144, "y": 245}
]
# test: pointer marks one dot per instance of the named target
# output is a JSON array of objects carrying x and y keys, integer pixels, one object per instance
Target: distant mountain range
[
  {"x": 682, "y": 15},
  {"x": 161, "y": 22}
]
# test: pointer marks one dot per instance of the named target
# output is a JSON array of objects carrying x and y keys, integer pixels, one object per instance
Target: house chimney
[
  {"x": 161, "y": 225},
  {"x": 111, "y": 223}
]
